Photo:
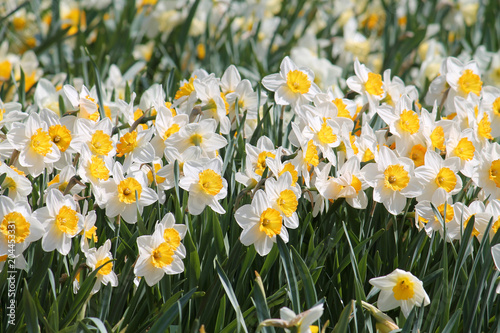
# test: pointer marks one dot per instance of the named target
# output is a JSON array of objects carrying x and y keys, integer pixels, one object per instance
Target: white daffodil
[
  {"x": 292, "y": 85},
  {"x": 89, "y": 230},
  {"x": 213, "y": 103},
  {"x": 392, "y": 180},
  {"x": 120, "y": 197},
  {"x": 438, "y": 175},
  {"x": 37, "y": 151},
  {"x": 85, "y": 102},
  {"x": 97, "y": 136},
  {"x": 98, "y": 258},
  {"x": 205, "y": 184},
  {"x": 136, "y": 148},
  {"x": 261, "y": 224},
  {"x": 404, "y": 123},
  {"x": 60, "y": 134},
  {"x": 173, "y": 234},
  {"x": 94, "y": 168},
  {"x": 255, "y": 161},
  {"x": 366, "y": 83},
  {"x": 15, "y": 182},
  {"x": 427, "y": 219},
  {"x": 486, "y": 173},
  {"x": 157, "y": 256},
  {"x": 300, "y": 323},
  {"x": 61, "y": 221},
  {"x": 201, "y": 134},
  {"x": 17, "y": 224},
  {"x": 284, "y": 198},
  {"x": 400, "y": 288},
  {"x": 166, "y": 124}
]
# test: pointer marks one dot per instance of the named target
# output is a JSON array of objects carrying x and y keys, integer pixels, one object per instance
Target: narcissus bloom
[
  {"x": 160, "y": 253},
  {"x": 37, "y": 151},
  {"x": 98, "y": 257},
  {"x": 261, "y": 223},
  {"x": 205, "y": 184},
  {"x": 61, "y": 221},
  {"x": 292, "y": 85},
  {"x": 120, "y": 197},
  {"x": 17, "y": 224},
  {"x": 392, "y": 180},
  {"x": 400, "y": 288}
]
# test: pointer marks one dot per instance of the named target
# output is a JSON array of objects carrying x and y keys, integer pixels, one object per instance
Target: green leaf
[
  {"x": 232, "y": 297},
  {"x": 30, "y": 312},
  {"x": 169, "y": 316},
  {"x": 290, "y": 274}
]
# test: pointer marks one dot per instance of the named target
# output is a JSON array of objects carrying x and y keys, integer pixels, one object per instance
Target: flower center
[
  {"x": 298, "y": 82},
  {"x": 409, "y": 121},
  {"x": 159, "y": 179},
  {"x": 61, "y": 136},
  {"x": 171, "y": 130},
  {"x": 162, "y": 256},
  {"x": 470, "y": 83},
  {"x": 101, "y": 143},
  {"x": 446, "y": 179},
  {"x": 437, "y": 138},
  {"x": 98, "y": 168},
  {"x": 373, "y": 85},
  {"x": 261, "y": 162},
  {"x": 127, "y": 188},
  {"x": 356, "y": 183},
  {"x": 496, "y": 106},
  {"x": 396, "y": 177},
  {"x": 270, "y": 222},
  {"x": 287, "y": 202},
  {"x": 325, "y": 134},
  {"x": 196, "y": 139},
  {"x": 403, "y": 290},
  {"x": 449, "y": 212},
  {"x": 484, "y": 127},
  {"x": 127, "y": 144},
  {"x": 290, "y": 168},
  {"x": 495, "y": 172},
  {"x": 67, "y": 220},
  {"x": 40, "y": 142},
  {"x": 172, "y": 237},
  {"x": 311, "y": 154},
  {"x": 341, "y": 108},
  {"x": 15, "y": 222},
  {"x": 186, "y": 89},
  {"x": 210, "y": 182},
  {"x": 465, "y": 149},
  {"x": 106, "y": 269}
]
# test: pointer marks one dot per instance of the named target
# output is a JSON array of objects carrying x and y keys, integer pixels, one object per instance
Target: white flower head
[
  {"x": 400, "y": 288},
  {"x": 97, "y": 258},
  {"x": 205, "y": 184},
  {"x": 292, "y": 85},
  {"x": 261, "y": 223}
]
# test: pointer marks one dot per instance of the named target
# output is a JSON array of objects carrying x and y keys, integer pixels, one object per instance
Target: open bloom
[
  {"x": 301, "y": 322},
  {"x": 392, "y": 180},
  {"x": 61, "y": 221},
  {"x": 37, "y": 151},
  {"x": 292, "y": 85},
  {"x": 205, "y": 184},
  {"x": 261, "y": 223},
  {"x": 121, "y": 198},
  {"x": 18, "y": 225},
  {"x": 161, "y": 253},
  {"x": 400, "y": 288},
  {"x": 98, "y": 257}
]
